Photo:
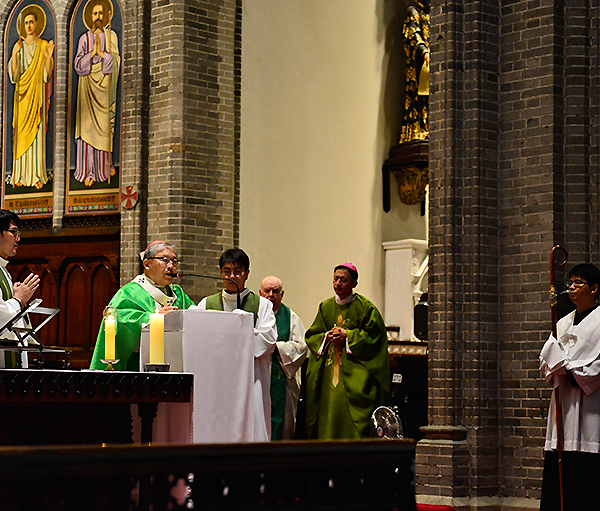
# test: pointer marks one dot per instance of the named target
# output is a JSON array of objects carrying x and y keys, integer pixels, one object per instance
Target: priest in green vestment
[
  {"x": 287, "y": 359},
  {"x": 151, "y": 292},
  {"x": 348, "y": 373},
  {"x": 14, "y": 296}
]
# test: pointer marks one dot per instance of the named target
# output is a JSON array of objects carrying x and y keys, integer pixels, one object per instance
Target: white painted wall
[{"x": 322, "y": 87}]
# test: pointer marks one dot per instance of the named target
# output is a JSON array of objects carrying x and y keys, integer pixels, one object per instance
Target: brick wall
[
  {"x": 514, "y": 125},
  {"x": 183, "y": 140}
]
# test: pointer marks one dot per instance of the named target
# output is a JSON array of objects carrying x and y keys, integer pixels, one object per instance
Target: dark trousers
[{"x": 581, "y": 481}]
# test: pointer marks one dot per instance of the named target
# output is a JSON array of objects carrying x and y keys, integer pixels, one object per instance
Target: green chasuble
[
  {"x": 250, "y": 303},
  {"x": 344, "y": 411},
  {"x": 134, "y": 306},
  {"x": 278, "y": 377}
]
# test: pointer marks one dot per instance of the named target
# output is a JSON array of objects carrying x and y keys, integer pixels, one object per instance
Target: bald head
[{"x": 272, "y": 290}]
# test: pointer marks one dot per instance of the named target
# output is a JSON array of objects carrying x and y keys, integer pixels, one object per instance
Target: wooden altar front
[{"x": 54, "y": 407}]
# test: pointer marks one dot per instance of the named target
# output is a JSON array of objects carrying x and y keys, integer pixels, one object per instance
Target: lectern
[{"x": 218, "y": 348}]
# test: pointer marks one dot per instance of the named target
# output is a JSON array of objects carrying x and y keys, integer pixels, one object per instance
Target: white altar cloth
[{"x": 218, "y": 348}]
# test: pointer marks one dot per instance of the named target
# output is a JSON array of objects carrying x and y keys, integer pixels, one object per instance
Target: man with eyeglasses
[
  {"x": 571, "y": 363},
  {"x": 14, "y": 296},
  {"x": 147, "y": 293},
  {"x": 235, "y": 268},
  {"x": 287, "y": 359}
]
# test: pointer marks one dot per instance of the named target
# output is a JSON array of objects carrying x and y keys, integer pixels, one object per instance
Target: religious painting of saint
[
  {"x": 28, "y": 149},
  {"x": 95, "y": 107}
]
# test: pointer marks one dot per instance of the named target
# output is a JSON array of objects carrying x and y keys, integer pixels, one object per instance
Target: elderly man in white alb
[
  {"x": 14, "y": 296},
  {"x": 288, "y": 357}
]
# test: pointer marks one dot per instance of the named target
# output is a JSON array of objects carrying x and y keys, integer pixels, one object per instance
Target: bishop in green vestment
[
  {"x": 348, "y": 373},
  {"x": 135, "y": 302}
]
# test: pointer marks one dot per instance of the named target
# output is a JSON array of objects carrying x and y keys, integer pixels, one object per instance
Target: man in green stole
[
  {"x": 151, "y": 292},
  {"x": 14, "y": 296},
  {"x": 290, "y": 353},
  {"x": 348, "y": 373},
  {"x": 234, "y": 265}
]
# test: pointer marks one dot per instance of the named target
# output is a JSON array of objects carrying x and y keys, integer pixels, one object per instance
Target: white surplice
[{"x": 577, "y": 349}]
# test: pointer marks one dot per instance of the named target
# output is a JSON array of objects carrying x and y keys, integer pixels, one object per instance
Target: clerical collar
[
  {"x": 231, "y": 297},
  {"x": 579, "y": 317},
  {"x": 164, "y": 289},
  {"x": 346, "y": 300}
]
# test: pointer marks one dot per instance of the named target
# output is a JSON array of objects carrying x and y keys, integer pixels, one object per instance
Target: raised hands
[{"x": 23, "y": 291}]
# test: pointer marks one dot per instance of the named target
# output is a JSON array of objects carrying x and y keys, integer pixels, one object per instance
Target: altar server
[{"x": 570, "y": 362}]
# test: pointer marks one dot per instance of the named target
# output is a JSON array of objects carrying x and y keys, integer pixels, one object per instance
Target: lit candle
[
  {"x": 157, "y": 338},
  {"x": 109, "y": 338}
]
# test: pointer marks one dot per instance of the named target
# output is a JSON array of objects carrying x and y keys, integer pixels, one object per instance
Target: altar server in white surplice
[{"x": 571, "y": 363}]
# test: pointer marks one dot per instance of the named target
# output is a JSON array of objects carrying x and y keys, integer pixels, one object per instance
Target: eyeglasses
[
  {"x": 15, "y": 232},
  {"x": 576, "y": 283},
  {"x": 166, "y": 260},
  {"x": 236, "y": 273}
]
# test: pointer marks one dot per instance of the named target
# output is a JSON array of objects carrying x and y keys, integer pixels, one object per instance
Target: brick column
[
  {"x": 464, "y": 247},
  {"x": 135, "y": 87},
  {"x": 514, "y": 124},
  {"x": 442, "y": 459},
  {"x": 184, "y": 144}
]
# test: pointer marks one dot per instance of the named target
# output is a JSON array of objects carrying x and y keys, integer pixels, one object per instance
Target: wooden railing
[{"x": 301, "y": 475}]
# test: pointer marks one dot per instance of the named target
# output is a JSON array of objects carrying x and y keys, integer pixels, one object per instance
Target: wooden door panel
[
  {"x": 48, "y": 292},
  {"x": 79, "y": 275},
  {"x": 74, "y": 304},
  {"x": 102, "y": 288}
]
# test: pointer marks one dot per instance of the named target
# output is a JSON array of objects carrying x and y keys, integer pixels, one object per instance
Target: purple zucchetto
[{"x": 350, "y": 267}]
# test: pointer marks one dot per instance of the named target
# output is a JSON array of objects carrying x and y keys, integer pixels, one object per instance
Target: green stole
[
  {"x": 278, "y": 377},
  {"x": 250, "y": 303},
  {"x": 10, "y": 357}
]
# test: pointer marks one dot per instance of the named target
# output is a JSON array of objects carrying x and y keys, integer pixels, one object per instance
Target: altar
[
  {"x": 54, "y": 407},
  {"x": 218, "y": 349},
  {"x": 207, "y": 396}
]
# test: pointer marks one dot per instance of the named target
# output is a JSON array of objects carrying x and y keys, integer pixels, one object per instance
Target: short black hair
[
  {"x": 587, "y": 271},
  {"x": 352, "y": 273},
  {"x": 235, "y": 256},
  {"x": 6, "y": 217}
]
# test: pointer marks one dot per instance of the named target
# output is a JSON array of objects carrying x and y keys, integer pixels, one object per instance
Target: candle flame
[{"x": 110, "y": 312}]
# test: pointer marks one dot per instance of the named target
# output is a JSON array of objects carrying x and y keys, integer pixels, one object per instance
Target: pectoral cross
[{"x": 336, "y": 365}]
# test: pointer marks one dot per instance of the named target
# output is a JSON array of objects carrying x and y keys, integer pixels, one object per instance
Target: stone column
[
  {"x": 513, "y": 125},
  {"x": 184, "y": 144}
]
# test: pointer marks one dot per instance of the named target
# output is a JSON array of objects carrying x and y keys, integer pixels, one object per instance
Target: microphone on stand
[{"x": 239, "y": 302}]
